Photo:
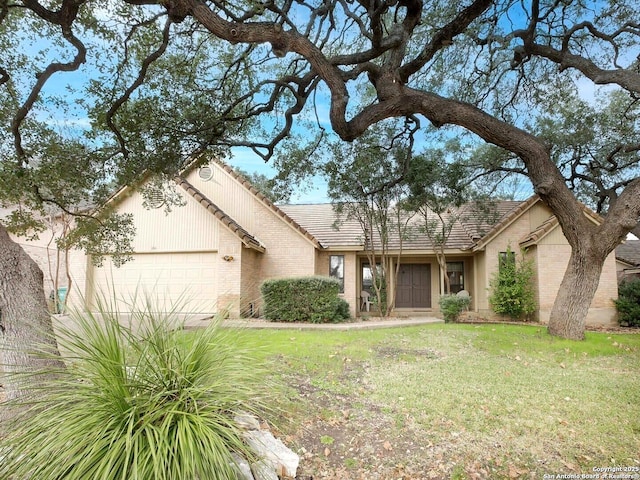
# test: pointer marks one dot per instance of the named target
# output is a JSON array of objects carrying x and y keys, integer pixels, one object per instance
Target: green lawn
[{"x": 456, "y": 401}]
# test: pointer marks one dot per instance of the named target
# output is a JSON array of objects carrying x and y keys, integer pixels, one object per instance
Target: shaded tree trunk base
[
  {"x": 28, "y": 344},
  {"x": 577, "y": 290}
]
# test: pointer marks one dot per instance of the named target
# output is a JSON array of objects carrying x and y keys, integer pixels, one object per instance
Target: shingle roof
[
  {"x": 332, "y": 231},
  {"x": 629, "y": 252},
  {"x": 545, "y": 227},
  {"x": 481, "y": 218}
]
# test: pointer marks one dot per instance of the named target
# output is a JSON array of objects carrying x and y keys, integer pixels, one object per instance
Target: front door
[{"x": 413, "y": 289}]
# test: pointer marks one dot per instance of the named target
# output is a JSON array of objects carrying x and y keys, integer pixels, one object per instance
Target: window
[
  {"x": 507, "y": 258},
  {"x": 455, "y": 274},
  {"x": 367, "y": 277},
  {"x": 336, "y": 269}
]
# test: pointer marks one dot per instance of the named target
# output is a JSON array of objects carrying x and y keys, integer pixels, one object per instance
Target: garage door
[{"x": 185, "y": 280}]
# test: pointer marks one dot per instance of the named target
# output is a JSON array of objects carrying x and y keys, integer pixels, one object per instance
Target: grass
[{"x": 509, "y": 401}]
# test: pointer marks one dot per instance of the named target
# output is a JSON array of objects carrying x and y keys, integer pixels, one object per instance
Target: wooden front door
[{"x": 413, "y": 289}]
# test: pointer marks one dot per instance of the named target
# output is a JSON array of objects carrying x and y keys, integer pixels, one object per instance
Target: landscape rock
[
  {"x": 282, "y": 459},
  {"x": 276, "y": 461},
  {"x": 263, "y": 470},
  {"x": 246, "y": 421},
  {"x": 242, "y": 468}
]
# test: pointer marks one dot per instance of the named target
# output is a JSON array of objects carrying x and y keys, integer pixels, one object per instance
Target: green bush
[
  {"x": 452, "y": 306},
  {"x": 512, "y": 292},
  {"x": 628, "y": 303},
  {"x": 149, "y": 402},
  {"x": 304, "y": 299}
]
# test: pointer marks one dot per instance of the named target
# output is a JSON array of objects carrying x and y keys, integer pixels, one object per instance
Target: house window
[
  {"x": 336, "y": 269},
  {"x": 506, "y": 259},
  {"x": 367, "y": 277},
  {"x": 455, "y": 274}
]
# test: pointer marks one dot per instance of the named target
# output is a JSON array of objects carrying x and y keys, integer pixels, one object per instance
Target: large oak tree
[{"x": 162, "y": 81}]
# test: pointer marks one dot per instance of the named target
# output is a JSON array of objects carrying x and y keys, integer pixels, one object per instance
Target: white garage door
[{"x": 185, "y": 280}]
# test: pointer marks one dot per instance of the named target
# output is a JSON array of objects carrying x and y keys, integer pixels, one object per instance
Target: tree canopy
[{"x": 161, "y": 82}]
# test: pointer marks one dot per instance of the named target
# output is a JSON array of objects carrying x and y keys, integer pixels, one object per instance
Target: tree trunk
[
  {"x": 25, "y": 322},
  {"x": 576, "y": 292}
]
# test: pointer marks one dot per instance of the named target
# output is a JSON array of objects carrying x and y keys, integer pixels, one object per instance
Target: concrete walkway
[
  {"x": 369, "y": 324},
  {"x": 191, "y": 321}
]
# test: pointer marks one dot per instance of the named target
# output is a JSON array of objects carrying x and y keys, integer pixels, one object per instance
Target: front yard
[{"x": 456, "y": 401}]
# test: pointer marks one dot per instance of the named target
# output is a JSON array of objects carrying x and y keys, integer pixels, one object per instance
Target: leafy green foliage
[
  {"x": 512, "y": 292},
  {"x": 365, "y": 184},
  {"x": 143, "y": 401},
  {"x": 111, "y": 234},
  {"x": 304, "y": 299},
  {"x": 595, "y": 144},
  {"x": 452, "y": 306},
  {"x": 269, "y": 187},
  {"x": 628, "y": 303}
]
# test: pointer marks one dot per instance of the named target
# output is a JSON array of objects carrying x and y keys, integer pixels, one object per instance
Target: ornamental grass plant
[{"x": 138, "y": 399}]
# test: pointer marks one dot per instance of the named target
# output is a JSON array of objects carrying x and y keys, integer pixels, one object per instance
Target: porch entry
[{"x": 413, "y": 289}]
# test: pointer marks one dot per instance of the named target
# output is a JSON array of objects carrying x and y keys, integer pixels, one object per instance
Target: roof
[
  {"x": 470, "y": 224},
  {"x": 629, "y": 252},
  {"x": 539, "y": 233},
  {"x": 277, "y": 210},
  {"x": 516, "y": 210}
]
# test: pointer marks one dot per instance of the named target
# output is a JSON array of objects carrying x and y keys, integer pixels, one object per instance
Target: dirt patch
[{"x": 396, "y": 352}]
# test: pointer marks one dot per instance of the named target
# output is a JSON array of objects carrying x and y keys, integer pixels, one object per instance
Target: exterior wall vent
[
  {"x": 205, "y": 173},
  {"x": 155, "y": 198}
]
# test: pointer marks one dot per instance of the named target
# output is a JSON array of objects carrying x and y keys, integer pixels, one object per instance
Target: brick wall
[{"x": 229, "y": 273}]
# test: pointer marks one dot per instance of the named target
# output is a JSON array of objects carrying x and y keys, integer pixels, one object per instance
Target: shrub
[
  {"x": 149, "y": 404},
  {"x": 628, "y": 303},
  {"x": 512, "y": 292},
  {"x": 304, "y": 299},
  {"x": 451, "y": 306}
]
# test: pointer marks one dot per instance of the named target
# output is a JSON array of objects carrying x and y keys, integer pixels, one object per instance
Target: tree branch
[
  {"x": 444, "y": 37},
  {"x": 134, "y": 86},
  {"x": 65, "y": 19}
]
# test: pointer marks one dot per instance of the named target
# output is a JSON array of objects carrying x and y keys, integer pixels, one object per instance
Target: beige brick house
[{"x": 218, "y": 248}]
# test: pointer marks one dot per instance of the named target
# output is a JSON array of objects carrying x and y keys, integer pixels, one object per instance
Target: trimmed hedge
[{"x": 304, "y": 299}]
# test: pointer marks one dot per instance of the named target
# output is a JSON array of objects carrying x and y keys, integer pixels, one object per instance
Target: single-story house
[{"x": 214, "y": 252}]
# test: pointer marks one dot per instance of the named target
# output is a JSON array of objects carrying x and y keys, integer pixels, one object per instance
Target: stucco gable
[
  {"x": 242, "y": 229},
  {"x": 538, "y": 232},
  {"x": 245, "y": 237},
  {"x": 241, "y": 184}
]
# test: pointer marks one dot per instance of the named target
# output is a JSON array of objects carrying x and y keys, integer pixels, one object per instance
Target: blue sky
[{"x": 248, "y": 161}]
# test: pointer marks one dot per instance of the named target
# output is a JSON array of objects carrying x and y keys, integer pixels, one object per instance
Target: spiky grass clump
[{"x": 143, "y": 402}]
